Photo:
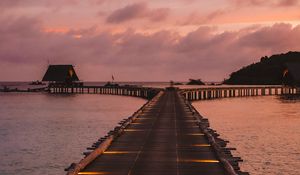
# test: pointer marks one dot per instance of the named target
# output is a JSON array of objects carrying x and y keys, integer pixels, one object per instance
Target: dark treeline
[
  {"x": 195, "y": 82},
  {"x": 268, "y": 71}
]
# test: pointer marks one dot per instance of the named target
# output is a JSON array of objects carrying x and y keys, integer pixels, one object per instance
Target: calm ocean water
[
  {"x": 265, "y": 131},
  {"x": 42, "y": 133}
]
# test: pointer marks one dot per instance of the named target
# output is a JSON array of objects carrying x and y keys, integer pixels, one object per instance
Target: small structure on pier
[
  {"x": 291, "y": 75},
  {"x": 61, "y": 75}
]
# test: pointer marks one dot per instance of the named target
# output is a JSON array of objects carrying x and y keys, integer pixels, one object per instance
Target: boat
[
  {"x": 37, "y": 82},
  {"x": 110, "y": 84}
]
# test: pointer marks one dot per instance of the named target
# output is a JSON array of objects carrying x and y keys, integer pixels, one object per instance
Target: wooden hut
[
  {"x": 291, "y": 75},
  {"x": 61, "y": 75}
]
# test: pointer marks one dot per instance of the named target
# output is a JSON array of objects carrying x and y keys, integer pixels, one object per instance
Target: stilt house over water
[
  {"x": 291, "y": 75},
  {"x": 61, "y": 75}
]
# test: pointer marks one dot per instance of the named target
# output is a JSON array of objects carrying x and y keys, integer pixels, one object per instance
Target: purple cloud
[
  {"x": 162, "y": 56},
  {"x": 137, "y": 11}
]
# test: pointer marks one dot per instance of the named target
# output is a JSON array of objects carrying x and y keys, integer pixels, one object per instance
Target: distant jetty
[
  {"x": 275, "y": 70},
  {"x": 36, "y": 89}
]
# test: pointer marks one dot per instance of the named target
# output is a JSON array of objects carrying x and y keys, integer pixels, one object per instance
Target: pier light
[
  {"x": 91, "y": 173},
  {"x": 120, "y": 152},
  {"x": 202, "y": 145},
  {"x": 133, "y": 130},
  {"x": 196, "y": 134},
  {"x": 202, "y": 161},
  {"x": 136, "y": 123}
]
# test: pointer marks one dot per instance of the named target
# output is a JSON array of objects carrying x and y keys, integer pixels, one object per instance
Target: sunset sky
[{"x": 135, "y": 40}]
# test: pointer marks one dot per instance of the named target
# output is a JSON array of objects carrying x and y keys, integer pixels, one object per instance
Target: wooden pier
[
  {"x": 143, "y": 92},
  {"x": 237, "y": 91},
  {"x": 166, "y": 136},
  {"x": 205, "y": 93}
]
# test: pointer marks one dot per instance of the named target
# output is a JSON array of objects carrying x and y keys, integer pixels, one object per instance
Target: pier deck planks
[{"x": 164, "y": 140}]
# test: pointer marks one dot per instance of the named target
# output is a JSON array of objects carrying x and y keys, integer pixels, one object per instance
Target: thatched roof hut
[{"x": 60, "y": 73}]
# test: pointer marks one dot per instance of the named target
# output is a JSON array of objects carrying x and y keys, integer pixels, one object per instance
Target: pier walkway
[{"x": 166, "y": 137}]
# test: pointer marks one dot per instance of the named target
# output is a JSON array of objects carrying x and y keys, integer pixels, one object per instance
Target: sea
[
  {"x": 264, "y": 130},
  {"x": 43, "y": 133}
]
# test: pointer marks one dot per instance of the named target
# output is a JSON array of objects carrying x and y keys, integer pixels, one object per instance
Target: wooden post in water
[
  {"x": 263, "y": 91},
  {"x": 204, "y": 94},
  {"x": 297, "y": 90}
]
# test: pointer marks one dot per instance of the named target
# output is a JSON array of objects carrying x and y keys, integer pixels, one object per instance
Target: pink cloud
[
  {"x": 22, "y": 3},
  {"x": 250, "y": 2},
  {"x": 264, "y": 2},
  {"x": 162, "y": 56},
  {"x": 137, "y": 11},
  {"x": 288, "y": 2},
  {"x": 128, "y": 12},
  {"x": 159, "y": 14},
  {"x": 196, "y": 18}
]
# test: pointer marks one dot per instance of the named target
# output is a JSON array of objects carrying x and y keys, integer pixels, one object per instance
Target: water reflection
[
  {"x": 43, "y": 134},
  {"x": 265, "y": 131}
]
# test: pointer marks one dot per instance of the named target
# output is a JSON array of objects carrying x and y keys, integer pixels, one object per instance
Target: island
[{"x": 274, "y": 70}]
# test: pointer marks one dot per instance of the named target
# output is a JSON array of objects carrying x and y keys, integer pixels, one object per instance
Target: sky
[{"x": 136, "y": 40}]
